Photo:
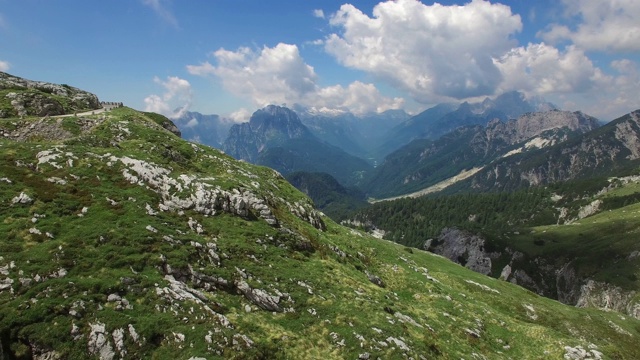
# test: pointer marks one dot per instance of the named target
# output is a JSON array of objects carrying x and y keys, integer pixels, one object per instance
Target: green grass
[
  {"x": 111, "y": 250},
  {"x": 601, "y": 244}
]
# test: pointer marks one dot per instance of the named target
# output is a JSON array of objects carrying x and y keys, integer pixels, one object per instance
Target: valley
[{"x": 123, "y": 240}]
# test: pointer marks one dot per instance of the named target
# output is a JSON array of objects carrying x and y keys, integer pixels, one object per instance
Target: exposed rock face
[
  {"x": 269, "y": 126},
  {"x": 259, "y": 297},
  {"x": 423, "y": 162},
  {"x": 558, "y": 281},
  {"x": 464, "y": 248},
  {"x": 531, "y": 125},
  {"x": 595, "y": 152},
  {"x": 169, "y": 125},
  {"x": 626, "y": 133},
  {"x": 36, "y": 98},
  {"x": 608, "y": 297},
  {"x": 99, "y": 342}
]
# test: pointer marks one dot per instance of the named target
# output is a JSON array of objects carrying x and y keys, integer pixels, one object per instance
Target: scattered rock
[
  {"x": 482, "y": 286},
  {"x": 98, "y": 343},
  {"x": 375, "y": 279},
  {"x": 22, "y": 199},
  {"x": 579, "y": 353},
  {"x": 506, "y": 272},
  {"x": 259, "y": 297}
]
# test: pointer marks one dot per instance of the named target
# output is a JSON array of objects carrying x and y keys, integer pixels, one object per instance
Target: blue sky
[{"x": 232, "y": 57}]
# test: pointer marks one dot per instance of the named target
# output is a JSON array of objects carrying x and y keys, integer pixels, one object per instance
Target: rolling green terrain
[
  {"x": 121, "y": 240},
  {"x": 560, "y": 237}
]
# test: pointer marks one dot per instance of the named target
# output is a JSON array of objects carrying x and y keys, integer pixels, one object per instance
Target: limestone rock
[
  {"x": 506, "y": 271},
  {"x": 259, "y": 297},
  {"x": 37, "y": 98},
  {"x": 464, "y": 248},
  {"x": 375, "y": 279},
  {"x": 608, "y": 297},
  {"x": 22, "y": 199},
  {"x": 99, "y": 343}
]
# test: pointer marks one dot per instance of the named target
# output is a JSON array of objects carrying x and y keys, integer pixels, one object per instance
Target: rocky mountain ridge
[
  {"x": 275, "y": 137},
  {"x": 270, "y": 126},
  {"x": 20, "y": 97},
  {"x": 211, "y": 130},
  {"x": 446, "y": 118},
  {"x": 612, "y": 149},
  {"x": 423, "y": 163}
]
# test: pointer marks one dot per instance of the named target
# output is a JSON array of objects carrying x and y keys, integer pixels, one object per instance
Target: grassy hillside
[
  {"x": 122, "y": 240},
  {"x": 559, "y": 237},
  {"x": 21, "y": 97}
]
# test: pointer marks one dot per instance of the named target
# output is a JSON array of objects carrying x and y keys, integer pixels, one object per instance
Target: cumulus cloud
[
  {"x": 240, "y": 116},
  {"x": 434, "y": 52},
  {"x": 358, "y": 97},
  {"x": 602, "y": 25},
  {"x": 192, "y": 123},
  {"x": 279, "y": 75},
  {"x": 4, "y": 66},
  {"x": 571, "y": 80},
  {"x": 319, "y": 13},
  {"x": 203, "y": 69},
  {"x": 176, "y": 99},
  {"x": 621, "y": 94},
  {"x": 542, "y": 69},
  {"x": 161, "y": 10}
]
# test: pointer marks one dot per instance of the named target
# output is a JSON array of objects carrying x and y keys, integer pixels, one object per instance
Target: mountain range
[
  {"x": 275, "y": 137},
  {"x": 424, "y": 163},
  {"x": 210, "y": 130},
  {"x": 122, "y": 240}
]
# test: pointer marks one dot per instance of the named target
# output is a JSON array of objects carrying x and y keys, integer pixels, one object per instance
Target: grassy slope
[
  {"x": 602, "y": 243},
  {"x": 338, "y": 313}
]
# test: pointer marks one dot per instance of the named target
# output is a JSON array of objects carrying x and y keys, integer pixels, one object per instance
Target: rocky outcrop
[
  {"x": 99, "y": 344},
  {"x": 259, "y": 297},
  {"x": 531, "y": 125},
  {"x": 464, "y": 248},
  {"x": 608, "y": 297},
  {"x": 37, "y": 98},
  {"x": 612, "y": 147},
  {"x": 558, "y": 281},
  {"x": 47, "y": 128}
]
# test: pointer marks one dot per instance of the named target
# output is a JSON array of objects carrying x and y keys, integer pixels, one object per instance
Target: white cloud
[
  {"x": 192, "y": 123},
  {"x": 203, "y": 69},
  {"x": 621, "y": 94},
  {"x": 279, "y": 75},
  {"x": 4, "y": 66},
  {"x": 359, "y": 98},
  {"x": 570, "y": 79},
  {"x": 432, "y": 51},
  {"x": 603, "y": 25},
  {"x": 319, "y": 13},
  {"x": 240, "y": 116},
  {"x": 174, "y": 101},
  {"x": 542, "y": 69},
  {"x": 161, "y": 10}
]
